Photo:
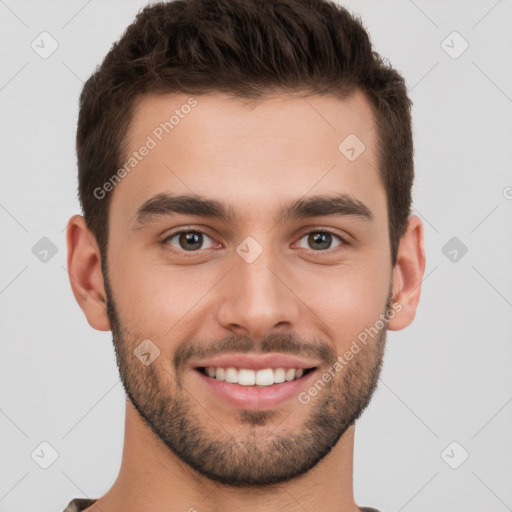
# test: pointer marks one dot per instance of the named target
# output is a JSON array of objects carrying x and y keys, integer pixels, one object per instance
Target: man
[{"x": 245, "y": 174}]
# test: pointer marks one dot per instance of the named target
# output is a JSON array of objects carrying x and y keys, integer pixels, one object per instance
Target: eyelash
[{"x": 166, "y": 245}]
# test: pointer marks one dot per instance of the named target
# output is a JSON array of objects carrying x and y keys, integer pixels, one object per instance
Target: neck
[{"x": 153, "y": 478}]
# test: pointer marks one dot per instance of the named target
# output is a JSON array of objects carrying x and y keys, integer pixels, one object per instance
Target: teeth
[
  {"x": 246, "y": 377},
  {"x": 264, "y": 377},
  {"x": 231, "y": 375},
  {"x": 279, "y": 375}
]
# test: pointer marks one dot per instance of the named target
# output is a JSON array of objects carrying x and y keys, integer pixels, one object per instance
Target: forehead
[{"x": 246, "y": 153}]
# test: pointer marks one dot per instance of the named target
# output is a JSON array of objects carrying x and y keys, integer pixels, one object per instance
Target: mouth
[
  {"x": 254, "y": 378},
  {"x": 250, "y": 389}
]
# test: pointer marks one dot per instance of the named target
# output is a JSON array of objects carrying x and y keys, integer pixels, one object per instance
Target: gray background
[{"x": 446, "y": 377}]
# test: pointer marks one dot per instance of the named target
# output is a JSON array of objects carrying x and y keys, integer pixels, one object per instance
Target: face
[{"x": 244, "y": 274}]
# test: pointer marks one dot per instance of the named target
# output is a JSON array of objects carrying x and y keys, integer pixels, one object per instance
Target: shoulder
[{"x": 79, "y": 504}]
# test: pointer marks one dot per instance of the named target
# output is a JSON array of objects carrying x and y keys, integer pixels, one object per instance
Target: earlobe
[
  {"x": 408, "y": 274},
  {"x": 85, "y": 275}
]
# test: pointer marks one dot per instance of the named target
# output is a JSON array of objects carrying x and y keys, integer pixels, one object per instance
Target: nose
[{"x": 258, "y": 298}]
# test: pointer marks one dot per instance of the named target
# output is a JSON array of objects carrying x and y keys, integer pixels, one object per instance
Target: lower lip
[{"x": 255, "y": 398}]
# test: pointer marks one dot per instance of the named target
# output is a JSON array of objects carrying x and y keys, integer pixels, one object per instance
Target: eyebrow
[{"x": 164, "y": 204}]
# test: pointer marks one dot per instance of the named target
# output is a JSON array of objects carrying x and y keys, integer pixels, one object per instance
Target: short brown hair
[{"x": 248, "y": 49}]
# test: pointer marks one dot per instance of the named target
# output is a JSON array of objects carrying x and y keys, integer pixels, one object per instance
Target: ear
[
  {"x": 84, "y": 269},
  {"x": 408, "y": 274}
]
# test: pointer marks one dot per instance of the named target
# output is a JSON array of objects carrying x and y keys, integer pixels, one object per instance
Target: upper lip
[{"x": 256, "y": 362}]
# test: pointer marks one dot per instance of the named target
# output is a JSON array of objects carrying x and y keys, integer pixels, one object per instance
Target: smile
[
  {"x": 257, "y": 378},
  {"x": 254, "y": 389}
]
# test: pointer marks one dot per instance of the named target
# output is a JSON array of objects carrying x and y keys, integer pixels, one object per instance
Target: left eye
[
  {"x": 189, "y": 240},
  {"x": 320, "y": 240}
]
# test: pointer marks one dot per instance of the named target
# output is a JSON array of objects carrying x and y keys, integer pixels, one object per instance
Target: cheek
[
  {"x": 350, "y": 298},
  {"x": 153, "y": 296}
]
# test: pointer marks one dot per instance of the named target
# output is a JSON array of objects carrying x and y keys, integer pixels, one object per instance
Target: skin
[{"x": 295, "y": 456}]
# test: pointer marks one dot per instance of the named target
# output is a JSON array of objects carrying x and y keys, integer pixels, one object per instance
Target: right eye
[{"x": 187, "y": 240}]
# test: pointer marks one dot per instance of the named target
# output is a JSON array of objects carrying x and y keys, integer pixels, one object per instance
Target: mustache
[{"x": 283, "y": 343}]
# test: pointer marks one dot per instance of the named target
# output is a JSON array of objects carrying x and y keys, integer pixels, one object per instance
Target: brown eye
[
  {"x": 190, "y": 241},
  {"x": 320, "y": 240}
]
